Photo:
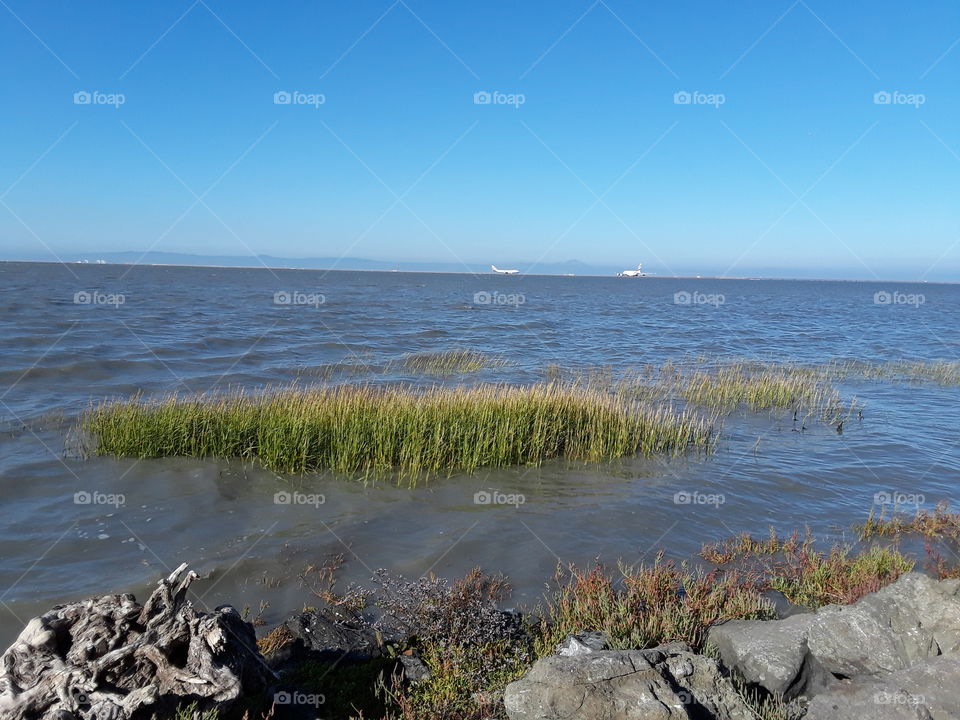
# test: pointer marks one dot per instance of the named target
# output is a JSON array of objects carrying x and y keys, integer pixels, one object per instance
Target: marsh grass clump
[
  {"x": 941, "y": 372},
  {"x": 449, "y": 362},
  {"x": 649, "y": 605},
  {"x": 761, "y": 388},
  {"x": 806, "y": 575},
  {"x": 365, "y": 429},
  {"x": 940, "y": 523},
  {"x": 724, "y": 386}
]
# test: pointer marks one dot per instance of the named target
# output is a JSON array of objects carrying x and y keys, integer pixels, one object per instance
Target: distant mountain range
[{"x": 346, "y": 263}]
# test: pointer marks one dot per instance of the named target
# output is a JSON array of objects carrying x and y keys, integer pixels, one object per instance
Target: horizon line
[{"x": 646, "y": 276}]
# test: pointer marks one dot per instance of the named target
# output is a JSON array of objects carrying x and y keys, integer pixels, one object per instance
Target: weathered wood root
[{"x": 108, "y": 658}]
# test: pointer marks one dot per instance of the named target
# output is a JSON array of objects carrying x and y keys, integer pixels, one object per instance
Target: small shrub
[{"x": 647, "y": 606}]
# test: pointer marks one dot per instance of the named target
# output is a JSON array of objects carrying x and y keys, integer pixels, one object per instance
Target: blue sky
[{"x": 782, "y": 164}]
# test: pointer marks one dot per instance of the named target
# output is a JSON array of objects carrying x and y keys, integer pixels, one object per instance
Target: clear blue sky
[{"x": 696, "y": 188}]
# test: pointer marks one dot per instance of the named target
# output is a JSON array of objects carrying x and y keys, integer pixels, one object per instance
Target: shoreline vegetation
[
  {"x": 473, "y": 650},
  {"x": 364, "y": 427}
]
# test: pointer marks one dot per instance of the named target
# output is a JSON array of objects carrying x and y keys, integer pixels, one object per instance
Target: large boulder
[
  {"x": 664, "y": 683},
  {"x": 772, "y": 654},
  {"x": 914, "y": 618},
  {"x": 909, "y": 620},
  {"x": 930, "y": 690},
  {"x": 109, "y": 658}
]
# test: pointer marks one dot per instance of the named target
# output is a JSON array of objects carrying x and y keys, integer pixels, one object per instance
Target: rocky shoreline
[{"x": 892, "y": 654}]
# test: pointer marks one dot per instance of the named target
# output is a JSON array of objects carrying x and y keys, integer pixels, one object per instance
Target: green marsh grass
[
  {"x": 648, "y": 605},
  {"x": 449, "y": 362},
  {"x": 724, "y": 387},
  {"x": 807, "y": 575},
  {"x": 364, "y": 429},
  {"x": 939, "y": 523},
  {"x": 940, "y": 372}
]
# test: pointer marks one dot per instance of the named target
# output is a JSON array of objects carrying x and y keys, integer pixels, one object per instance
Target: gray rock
[
  {"x": 583, "y": 643},
  {"x": 332, "y": 631},
  {"x": 771, "y": 654},
  {"x": 914, "y": 618},
  {"x": 910, "y": 620},
  {"x": 930, "y": 690},
  {"x": 415, "y": 670},
  {"x": 665, "y": 683}
]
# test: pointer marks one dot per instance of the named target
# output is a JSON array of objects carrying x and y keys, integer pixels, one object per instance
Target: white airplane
[
  {"x": 503, "y": 272},
  {"x": 632, "y": 273}
]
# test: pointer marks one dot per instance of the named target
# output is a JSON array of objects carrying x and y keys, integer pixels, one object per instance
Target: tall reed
[{"x": 365, "y": 428}]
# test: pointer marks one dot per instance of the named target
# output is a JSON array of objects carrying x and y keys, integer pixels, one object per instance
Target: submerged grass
[
  {"x": 941, "y": 372},
  {"x": 366, "y": 429},
  {"x": 450, "y": 362},
  {"x": 725, "y": 387}
]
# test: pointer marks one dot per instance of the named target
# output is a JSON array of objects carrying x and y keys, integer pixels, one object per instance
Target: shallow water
[{"x": 192, "y": 329}]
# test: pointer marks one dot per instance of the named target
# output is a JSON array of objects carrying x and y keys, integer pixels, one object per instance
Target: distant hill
[{"x": 347, "y": 263}]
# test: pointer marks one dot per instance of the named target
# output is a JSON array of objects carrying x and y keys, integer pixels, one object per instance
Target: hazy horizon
[{"x": 355, "y": 264}]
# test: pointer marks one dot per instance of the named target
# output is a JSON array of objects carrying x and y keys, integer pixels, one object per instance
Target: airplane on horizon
[
  {"x": 503, "y": 272},
  {"x": 632, "y": 273}
]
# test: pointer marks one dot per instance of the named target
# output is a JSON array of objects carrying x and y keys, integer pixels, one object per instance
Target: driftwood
[{"x": 109, "y": 658}]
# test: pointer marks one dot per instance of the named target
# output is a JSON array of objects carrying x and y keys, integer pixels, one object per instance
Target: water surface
[{"x": 193, "y": 329}]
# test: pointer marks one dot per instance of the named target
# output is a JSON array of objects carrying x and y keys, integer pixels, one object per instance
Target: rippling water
[{"x": 193, "y": 329}]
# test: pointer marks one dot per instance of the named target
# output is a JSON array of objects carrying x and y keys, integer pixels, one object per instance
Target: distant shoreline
[{"x": 650, "y": 276}]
